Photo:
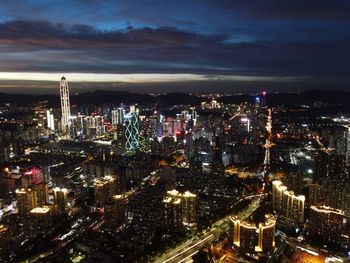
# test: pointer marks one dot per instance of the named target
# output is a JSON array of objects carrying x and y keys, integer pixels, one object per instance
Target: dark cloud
[
  {"x": 42, "y": 33},
  {"x": 45, "y": 46},
  {"x": 289, "y": 9},
  {"x": 273, "y": 37}
]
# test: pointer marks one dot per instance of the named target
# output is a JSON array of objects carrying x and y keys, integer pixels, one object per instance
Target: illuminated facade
[
  {"x": 251, "y": 238},
  {"x": 114, "y": 212},
  {"x": 104, "y": 188},
  {"x": 173, "y": 210},
  {"x": 50, "y": 120},
  {"x": 65, "y": 105},
  {"x": 328, "y": 223},
  {"x": 132, "y": 133},
  {"x": 26, "y": 200},
  {"x": 189, "y": 208},
  {"x": 179, "y": 209},
  {"x": 117, "y": 116},
  {"x": 287, "y": 203},
  {"x": 60, "y": 199}
]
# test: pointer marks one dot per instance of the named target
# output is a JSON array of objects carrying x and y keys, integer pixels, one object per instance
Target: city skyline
[
  {"x": 130, "y": 45},
  {"x": 190, "y": 131}
]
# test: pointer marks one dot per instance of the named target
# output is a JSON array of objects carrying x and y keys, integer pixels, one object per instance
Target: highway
[{"x": 184, "y": 252}]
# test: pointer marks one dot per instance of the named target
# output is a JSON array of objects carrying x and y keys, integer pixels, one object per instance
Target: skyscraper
[
  {"x": 60, "y": 199},
  {"x": 251, "y": 237},
  {"x": 132, "y": 134},
  {"x": 39, "y": 220},
  {"x": 117, "y": 116},
  {"x": 189, "y": 208},
  {"x": 26, "y": 200},
  {"x": 114, "y": 212},
  {"x": 327, "y": 223},
  {"x": 104, "y": 188},
  {"x": 286, "y": 203},
  {"x": 65, "y": 105},
  {"x": 173, "y": 210},
  {"x": 42, "y": 193}
]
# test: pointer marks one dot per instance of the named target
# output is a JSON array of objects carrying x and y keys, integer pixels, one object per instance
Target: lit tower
[
  {"x": 132, "y": 134},
  {"x": 65, "y": 105}
]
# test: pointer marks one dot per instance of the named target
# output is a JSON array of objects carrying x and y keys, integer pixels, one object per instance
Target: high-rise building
[
  {"x": 316, "y": 194},
  {"x": 60, "y": 199},
  {"x": 50, "y": 120},
  {"x": 42, "y": 190},
  {"x": 114, "y": 212},
  {"x": 338, "y": 195},
  {"x": 132, "y": 135},
  {"x": 4, "y": 243},
  {"x": 179, "y": 209},
  {"x": 321, "y": 163},
  {"x": 117, "y": 116},
  {"x": 294, "y": 181},
  {"x": 39, "y": 220},
  {"x": 119, "y": 140},
  {"x": 252, "y": 238},
  {"x": 173, "y": 210},
  {"x": 26, "y": 200},
  {"x": 327, "y": 223},
  {"x": 286, "y": 203},
  {"x": 189, "y": 208},
  {"x": 65, "y": 105},
  {"x": 104, "y": 188}
]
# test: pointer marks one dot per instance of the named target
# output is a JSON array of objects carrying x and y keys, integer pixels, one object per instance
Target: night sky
[{"x": 149, "y": 45}]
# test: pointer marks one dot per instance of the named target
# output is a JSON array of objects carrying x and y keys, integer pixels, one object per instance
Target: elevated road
[{"x": 184, "y": 252}]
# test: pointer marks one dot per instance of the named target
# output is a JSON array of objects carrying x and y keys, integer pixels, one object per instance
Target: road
[
  {"x": 268, "y": 140},
  {"x": 185, "y": 251}
]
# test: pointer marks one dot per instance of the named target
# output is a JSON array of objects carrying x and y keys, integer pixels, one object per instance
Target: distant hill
[
  {"x": 101, "y": 96},
  {"x": 334, "y": 98}
]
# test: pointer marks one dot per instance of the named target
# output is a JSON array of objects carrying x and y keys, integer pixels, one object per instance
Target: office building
[
  {"x": 117, "y": 117},
  {"x": 50, "y": 120},
  {"x": 65, "y": 106},
  {"x": 132, "y": 133}
]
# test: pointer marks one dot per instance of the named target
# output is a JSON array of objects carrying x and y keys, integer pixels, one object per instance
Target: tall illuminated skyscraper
[
  {"x": 132, "y": 134},
  {"x": 117, "y": 116},
  {"x": 65, "y": 105}
]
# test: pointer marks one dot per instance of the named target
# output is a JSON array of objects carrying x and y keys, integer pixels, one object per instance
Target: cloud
[
  {"x": 289, "y": 9},
  {"x": 46, "y": 34},
  {"x": 42, "y": 46}
]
